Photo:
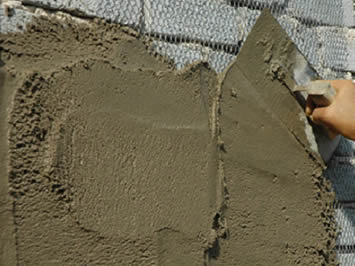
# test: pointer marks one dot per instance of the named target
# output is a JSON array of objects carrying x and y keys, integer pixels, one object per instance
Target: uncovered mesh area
[
  {"x": 346, "y": 259},
  {"x": 308, "y": 32},
  {"x": 188, "y": 20},
  {"x": 316, "y": 26},
  {"x": 126, "y": 12},
  {"x": 346, "y": 220},
  {"x": 341, "y": 172},
  {"x": 16, "y": 22}
]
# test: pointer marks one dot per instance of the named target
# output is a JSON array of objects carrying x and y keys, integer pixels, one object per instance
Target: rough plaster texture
[
  {"x": 114, "y": 158},
  {"x": 111, "y": 158},
  {"x": 262, "y": 155}
]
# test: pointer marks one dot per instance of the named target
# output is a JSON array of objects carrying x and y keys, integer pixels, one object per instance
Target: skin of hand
[{"x": 339, "y": 116}]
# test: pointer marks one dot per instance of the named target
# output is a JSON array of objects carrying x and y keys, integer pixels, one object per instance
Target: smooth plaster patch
[{"x": 277, "y": 191}]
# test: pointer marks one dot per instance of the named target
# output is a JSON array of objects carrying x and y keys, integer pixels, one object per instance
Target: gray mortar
[{"x": 130, "y": 159}]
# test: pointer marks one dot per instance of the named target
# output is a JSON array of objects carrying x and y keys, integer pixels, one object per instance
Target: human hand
[{"x": 339, "y": 116}]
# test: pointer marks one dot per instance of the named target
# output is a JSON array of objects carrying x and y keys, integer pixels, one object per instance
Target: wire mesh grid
[
  {"x": 223, "y": 25},
  {"x": 341, "y": 173},
  {"x": 316, "y": 26}
]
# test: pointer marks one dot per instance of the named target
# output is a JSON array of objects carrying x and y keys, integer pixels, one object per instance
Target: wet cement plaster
[
  {"x": 111, "y": 153},
  {"x": 112, "y": 157},
  {"x": 279, "y": 204}
]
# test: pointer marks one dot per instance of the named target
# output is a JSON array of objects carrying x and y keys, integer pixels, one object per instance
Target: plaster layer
[
  {"x": 277, "y": 192},
  {"x": 111, "y": 153},
  {"x": 114, "y": 158}
]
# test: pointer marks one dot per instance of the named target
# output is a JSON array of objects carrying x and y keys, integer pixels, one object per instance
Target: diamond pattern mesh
[
  {"x": 341, "y": 172},
  {"x": 317, "y": 12},
  {"x": 16, "y": 22},
  {"x": 316, "y": 26},
  {"x": 309, "y": 23},
  {"x": 189, "y": 20}
]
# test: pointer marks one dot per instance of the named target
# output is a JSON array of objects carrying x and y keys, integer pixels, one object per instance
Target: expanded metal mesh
[
  {"x": 341, "y": 172},
  {"x": 316, "y": 26}
]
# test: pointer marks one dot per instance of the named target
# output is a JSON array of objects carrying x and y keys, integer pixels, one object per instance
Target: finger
[
  {"x": 309, "y": 106},
  {"x": 322, "y": 116},
  {"x": 319, "y": 116}
]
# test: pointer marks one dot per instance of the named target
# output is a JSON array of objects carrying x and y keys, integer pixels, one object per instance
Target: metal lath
[
  {"x": 316, "y": 26},
  {"x": 310, "y": 24}
]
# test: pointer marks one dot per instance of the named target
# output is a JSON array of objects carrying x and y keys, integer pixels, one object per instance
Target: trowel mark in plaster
[{"x": 220, "y": 229}]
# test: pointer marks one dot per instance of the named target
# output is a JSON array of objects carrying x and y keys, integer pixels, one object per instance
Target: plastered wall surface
[
  {"x": 71, "y": 62},
  {"x": 85, "y": 174},
  {"x": 263, "y": 162},
  {"x": 134, "y": 164}
]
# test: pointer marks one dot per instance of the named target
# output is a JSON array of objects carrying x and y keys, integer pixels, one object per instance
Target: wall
[{"x": 113, "y": 201}]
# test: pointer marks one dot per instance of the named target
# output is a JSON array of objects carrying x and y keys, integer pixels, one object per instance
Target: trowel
[
  {"x": 306, "y": 82},
  {"x": 290, "y": 67}
]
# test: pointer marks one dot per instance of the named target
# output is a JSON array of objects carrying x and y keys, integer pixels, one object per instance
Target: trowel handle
[{"x": 322, "y": 92}]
